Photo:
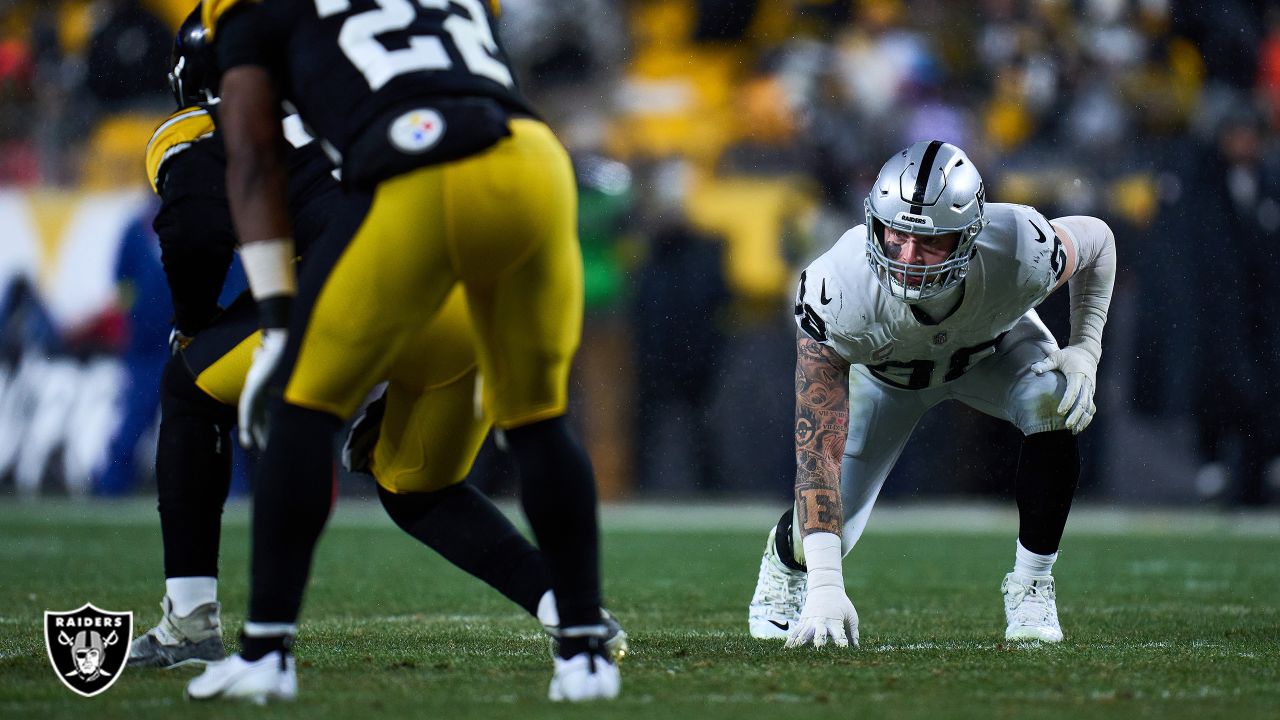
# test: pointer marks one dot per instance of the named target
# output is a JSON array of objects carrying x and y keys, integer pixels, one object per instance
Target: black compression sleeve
[{"x": 1048, "y": 471}]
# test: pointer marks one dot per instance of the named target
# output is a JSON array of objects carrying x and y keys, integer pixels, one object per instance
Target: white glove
[
  {"x": 253, "y": 398},
  {"x": 828, "y": 612},
  {"x": 1080, "y": 368}
]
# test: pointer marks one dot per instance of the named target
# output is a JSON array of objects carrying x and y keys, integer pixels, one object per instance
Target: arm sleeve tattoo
[{"x": 822, "y": 424}]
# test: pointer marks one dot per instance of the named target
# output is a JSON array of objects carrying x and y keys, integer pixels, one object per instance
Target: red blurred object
[
  {"x": 107, "y": 331},
  {"x": 1269, "y": 75},
  {"x": 19, "y": 162},
  {"x": 15, "y": 64}
]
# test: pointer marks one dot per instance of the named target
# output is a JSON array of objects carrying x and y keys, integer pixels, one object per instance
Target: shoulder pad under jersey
[
  {"x": 832, "y": 301},
  {"x": 1022, "y": 255},
  {"x": 174, "y": 135}
]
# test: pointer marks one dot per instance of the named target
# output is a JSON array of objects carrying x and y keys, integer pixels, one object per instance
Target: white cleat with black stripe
[{"x": 779, "y": 597}]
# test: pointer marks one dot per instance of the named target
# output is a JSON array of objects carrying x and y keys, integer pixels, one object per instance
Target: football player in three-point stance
[
  {"x": 419, "y": 445},
  {"x": 467, "y": 187},
  {"x": 933, "y": 299}
]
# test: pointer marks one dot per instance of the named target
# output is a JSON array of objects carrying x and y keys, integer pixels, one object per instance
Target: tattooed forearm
[{"x": 822, "y": 424}]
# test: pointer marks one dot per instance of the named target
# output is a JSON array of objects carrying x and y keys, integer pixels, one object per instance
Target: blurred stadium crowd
[{"x": 720, "y": 145}]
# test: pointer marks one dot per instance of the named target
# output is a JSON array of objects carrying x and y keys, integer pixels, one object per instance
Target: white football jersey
[{"x": 1017, "y": 262}]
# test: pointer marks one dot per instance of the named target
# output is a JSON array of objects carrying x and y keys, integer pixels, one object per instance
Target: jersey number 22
[{"x": 470, "y": 33}]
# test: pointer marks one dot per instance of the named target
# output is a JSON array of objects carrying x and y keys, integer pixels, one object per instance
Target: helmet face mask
[{"x": 930, "y": 188}]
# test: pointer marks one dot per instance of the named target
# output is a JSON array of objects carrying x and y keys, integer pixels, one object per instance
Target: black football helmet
[{"x": 193, "y": 76}]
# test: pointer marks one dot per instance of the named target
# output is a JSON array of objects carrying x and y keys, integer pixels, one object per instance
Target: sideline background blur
[{"x": 720, "y": 146}]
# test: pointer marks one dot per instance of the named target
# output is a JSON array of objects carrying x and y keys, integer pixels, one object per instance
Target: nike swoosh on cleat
[{"x": 780, "y": 626}]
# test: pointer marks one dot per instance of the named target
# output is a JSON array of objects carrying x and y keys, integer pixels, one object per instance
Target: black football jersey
[
  {"x": 311, "y": 174},
  {"x": 197, "y": 238},
  {"x": 344, "y": 64}
]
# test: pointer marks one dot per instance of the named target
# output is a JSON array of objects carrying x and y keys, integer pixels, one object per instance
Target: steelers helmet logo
[{"x": 417, "y": 131}]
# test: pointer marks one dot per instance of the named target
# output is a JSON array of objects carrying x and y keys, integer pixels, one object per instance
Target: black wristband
[{"x": 273, "y": 312}]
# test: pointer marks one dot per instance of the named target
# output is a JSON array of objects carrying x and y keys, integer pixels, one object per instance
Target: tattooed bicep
[{"x": 816, "y": 359}]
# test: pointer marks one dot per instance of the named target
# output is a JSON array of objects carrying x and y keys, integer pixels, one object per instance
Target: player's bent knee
[
  {"x": 416, "y": 482},
  {"x": 532, "y": 403},
  {"x": 406, "y": 508}
]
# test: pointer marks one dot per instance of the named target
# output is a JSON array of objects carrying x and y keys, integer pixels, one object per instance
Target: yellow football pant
[
  {"x": 503, "y": 224},
  {"x": 431, "y": 429}
]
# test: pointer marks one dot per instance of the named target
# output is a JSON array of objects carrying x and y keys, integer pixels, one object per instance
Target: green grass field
[{"x": 1166, "y": 616}]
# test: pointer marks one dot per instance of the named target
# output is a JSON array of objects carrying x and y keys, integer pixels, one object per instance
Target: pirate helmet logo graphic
[{"x": 88, "y": 647}]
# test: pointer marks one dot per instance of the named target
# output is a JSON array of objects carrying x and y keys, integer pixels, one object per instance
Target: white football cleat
[
  {"x": 615, "y": 638},
  {"x": 194, "y": 638},
  {"x": 1031, "y": 609},
  {"x": 779, "y": 597},
  {"x": 585, "y": 676},
  {"x": 272, "y": 677}
]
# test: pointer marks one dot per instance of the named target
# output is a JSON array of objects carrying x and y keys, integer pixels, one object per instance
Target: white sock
[
  {"x": 189, "y": 593},
  {"x": 547, "y": 612},
  {"x": 253, "y": 629},
  {"x": 1028, "y": 564}
]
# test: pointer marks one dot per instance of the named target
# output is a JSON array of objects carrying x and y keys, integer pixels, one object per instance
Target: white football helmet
[{"x": 930, "y": 188}]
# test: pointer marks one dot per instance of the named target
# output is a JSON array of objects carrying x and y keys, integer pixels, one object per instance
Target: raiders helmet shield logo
[{"x": 88, "y": 647}]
